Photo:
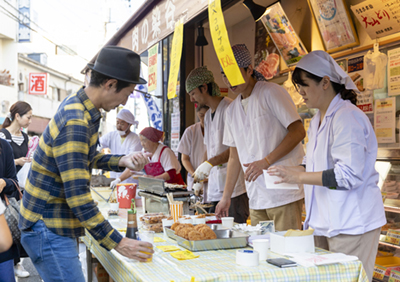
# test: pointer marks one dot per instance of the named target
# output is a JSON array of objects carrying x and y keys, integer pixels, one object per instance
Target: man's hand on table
[
  {"x": 132, "y": 249},
  {"x": 135, "y": 161},
  {"x": 222, "y": 208}
]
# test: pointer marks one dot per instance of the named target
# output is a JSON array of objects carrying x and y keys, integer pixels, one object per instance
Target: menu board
[
  {"x": 393, "y": 72},
  {"x": 378, "y": 17},
  {"x": 385, "y": 119}
]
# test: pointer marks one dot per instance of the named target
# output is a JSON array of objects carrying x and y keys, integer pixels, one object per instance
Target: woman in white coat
[{"x": 343, "y": 202}]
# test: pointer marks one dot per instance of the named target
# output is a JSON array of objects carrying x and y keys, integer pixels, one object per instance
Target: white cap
[
  {"x": 127, "y": 116},
  {"x": 322, "y": 64}
]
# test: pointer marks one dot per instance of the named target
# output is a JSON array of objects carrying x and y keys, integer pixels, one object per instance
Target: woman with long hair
[{"x": 20, "y": 116}]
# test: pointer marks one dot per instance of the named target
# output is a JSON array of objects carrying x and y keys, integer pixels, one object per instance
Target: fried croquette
[
  {"x": 176, "y": 224},
  {"x": 195, "y": 236},
  {"x": 198, "y": 226}
]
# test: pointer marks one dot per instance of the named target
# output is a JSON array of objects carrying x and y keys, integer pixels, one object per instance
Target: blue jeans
[
  {"x": 55, "y": 257},
  {"x": 7, "y": 271}
]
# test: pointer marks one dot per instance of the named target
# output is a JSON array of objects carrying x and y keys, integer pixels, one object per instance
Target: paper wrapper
[{"x": 176, "y": 211}]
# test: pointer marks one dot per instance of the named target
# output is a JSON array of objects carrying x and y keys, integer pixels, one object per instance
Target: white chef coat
[
  {"x": 213, "y": 135},
  {"x": 168, "y": 159},
  {"x": 112, "y": 140},
  {"x": 256, "y": 134},
  {"x": 346, "y": 142},
  {"x": 192, "y": 144}
]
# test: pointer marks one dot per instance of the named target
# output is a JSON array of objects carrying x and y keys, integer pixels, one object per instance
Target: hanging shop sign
[
  {"x": 176, "y": 54},
  {"x": 285, "y": 38},
  {"x": 24, "y": 31},
  {"x": 221, "y": 43},
  {"x": 160, "y": 22},
  {"x": 175, "y": 131},
  {"x": 385, "y": 120},
  {"x": 334, "y": 24},
  {"x": 378, "y": 17},
  {"x": 38, "y": 83},
  {"x": 266, "y": 55},
  {"x": 393, "y": 71},
  {"x": 152, "y": 81},
  {"x": 355, "y": 69}
]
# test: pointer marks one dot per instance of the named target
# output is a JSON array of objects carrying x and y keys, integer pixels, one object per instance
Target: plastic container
[
  {"x": 157, "y": 227},
  {"x": 153, "y": 218}
]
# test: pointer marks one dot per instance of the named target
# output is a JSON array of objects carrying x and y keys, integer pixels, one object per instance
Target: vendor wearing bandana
[
  {"x": 343, "y": 201},
  {"x": 262, "y": 128},
  {"x": 202, "y": 89}
]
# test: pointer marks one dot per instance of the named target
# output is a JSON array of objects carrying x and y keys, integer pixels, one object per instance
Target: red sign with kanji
[{"x": 38, "y": 83}]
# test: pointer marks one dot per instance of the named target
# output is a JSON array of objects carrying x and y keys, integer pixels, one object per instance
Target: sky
[{"x": 82, "y": 25}]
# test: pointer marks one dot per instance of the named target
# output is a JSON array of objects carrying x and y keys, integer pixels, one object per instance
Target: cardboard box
[
  {"x": 101, "y": 273},
  {"x": 295, "y": 244}
]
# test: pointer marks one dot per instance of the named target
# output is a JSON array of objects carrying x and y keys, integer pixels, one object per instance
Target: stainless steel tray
[{"x": 226, "y": 239}]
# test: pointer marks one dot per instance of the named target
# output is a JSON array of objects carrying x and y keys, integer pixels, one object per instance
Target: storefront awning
[{"x": 38, "y": 125}]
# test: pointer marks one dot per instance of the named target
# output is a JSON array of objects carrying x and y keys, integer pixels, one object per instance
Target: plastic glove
[
  {"x": 115, "y": 182},
  {"x": 202, "y": 171},
  {"x": 197, "y": 187}
]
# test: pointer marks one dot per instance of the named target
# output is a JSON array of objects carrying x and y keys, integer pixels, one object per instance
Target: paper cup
[
  {"x": 146, "y": 236},
  {"x": 176, "y": 211},
  {"x": 227, "y": 222},
  {"x": 126, "y": 192},
  {"x": 114, "y": 206},
  {"x": 261, "y": 246}
]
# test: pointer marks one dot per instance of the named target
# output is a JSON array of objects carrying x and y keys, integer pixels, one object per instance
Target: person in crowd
[
  {"x": 262, "y": 128},
  {"x": 163, "y": 163},
  {"x": 343, "y": 202},
  {"x": 122, "y": 141},
  {"x": 8, "y": 188},
  {"x": 192, "y": 145},
  {"x": 57, "y": 205},
  {"x": 202, "y": 89},
  {"x": 20, "y": 116}
]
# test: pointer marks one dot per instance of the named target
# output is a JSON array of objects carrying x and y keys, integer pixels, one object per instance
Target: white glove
[
  {"x": 202, "y": 171},
  {"x": 115, "y": 182},
  {"x": 197, "y": 187}
]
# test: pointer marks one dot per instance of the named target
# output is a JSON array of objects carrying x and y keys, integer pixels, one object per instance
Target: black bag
[{"x": 12, "y": 214}]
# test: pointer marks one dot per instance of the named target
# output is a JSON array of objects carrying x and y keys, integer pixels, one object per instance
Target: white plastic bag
[{"x": 22, "y": 174}]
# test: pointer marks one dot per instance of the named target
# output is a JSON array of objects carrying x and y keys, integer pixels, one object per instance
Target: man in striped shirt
[{"x": 57, "y": 204}]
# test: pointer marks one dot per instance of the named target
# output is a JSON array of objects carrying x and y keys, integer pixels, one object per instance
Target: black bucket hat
[{"x": 119, "y": 63}]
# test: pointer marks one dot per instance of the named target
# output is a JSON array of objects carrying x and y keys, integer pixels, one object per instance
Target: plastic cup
[
  {"x": 227, "y": 222},
  {"x": 126, "y": 192},
  {"x": 199, "y": 220},
  {"x": 176, "y": 211},
  {"x": 146, "y": 236},
  {"x": 261, "y": 246}
]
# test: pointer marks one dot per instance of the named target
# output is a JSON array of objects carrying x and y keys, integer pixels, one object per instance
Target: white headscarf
[
  {"x": 127, "y": 116},
  {"x": 321, "y": 64}
]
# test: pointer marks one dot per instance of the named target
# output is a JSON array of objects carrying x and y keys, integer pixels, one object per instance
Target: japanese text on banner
[
  {"x": 221, "y": 43},
  {"x": 378, "y": 17},
  {"x": 152, "y": 81},
  {"x": 176, "y": 54}
]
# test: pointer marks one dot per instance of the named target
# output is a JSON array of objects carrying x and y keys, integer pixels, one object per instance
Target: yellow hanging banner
[
  {"x": 176, "y": 54},
  {"x": 221, "y": 43}
]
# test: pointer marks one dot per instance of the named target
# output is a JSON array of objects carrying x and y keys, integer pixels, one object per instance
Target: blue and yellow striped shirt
[{"x": 57, "y": 189}]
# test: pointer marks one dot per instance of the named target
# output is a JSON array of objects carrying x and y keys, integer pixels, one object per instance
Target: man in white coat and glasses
[
  {"x": 202, "y": 89},
  {"x": 262, "y": 128}
]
